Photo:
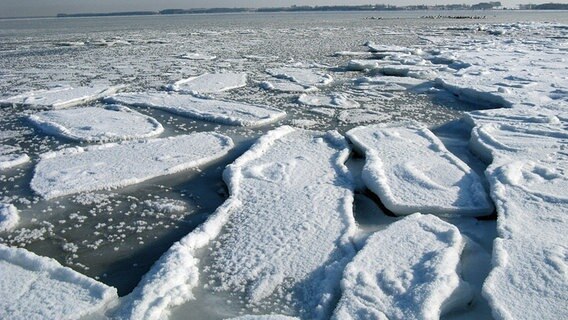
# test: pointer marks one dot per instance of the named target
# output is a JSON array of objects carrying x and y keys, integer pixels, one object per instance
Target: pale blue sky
[{"x": 12, "y": 8}]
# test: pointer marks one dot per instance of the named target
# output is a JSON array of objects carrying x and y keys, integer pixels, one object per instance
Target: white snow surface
[
  {"x": 34, "y": 287},
  {"x": 408, "y": 271},
  {"x": 265, "y": 317},
  {"x": 286, "y": 226},
  {"x": 211, "y": 83},
  {"x": 11, "y": 160},
  {"x": 114, "y": 165},
  {"x": 410, "y": 170},
  {"x": 9, "y": 217},
  {"x": 334, "y": 100},
  {"x": 60, "y": 97},
  {"x": 528, "y": 178},
  {"x": 226, "y": 112},
  {"x": 196, "y": 56},
  {"x": 94, "y": 124}
]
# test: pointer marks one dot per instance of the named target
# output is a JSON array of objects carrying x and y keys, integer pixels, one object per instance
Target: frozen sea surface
[{"x": 431, "y": 71}]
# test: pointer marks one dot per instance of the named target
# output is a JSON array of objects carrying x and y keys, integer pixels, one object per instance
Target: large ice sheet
[
  {"x": 528, "y": 181},
  {"x": 34, "y": 287},
  {"x": 97, "y": 124},
  {"x": 287, "y": 230},
  {"x": 116, "y": 165},
  {"x": 60, "y": 97},
  {"x": 227, "y": 112},
  {"x": 9, "y": 217},
  {"x": 408, "y": 271},
  {"x": 211, "y": 82},
  {"x": 410, "y": 170}
]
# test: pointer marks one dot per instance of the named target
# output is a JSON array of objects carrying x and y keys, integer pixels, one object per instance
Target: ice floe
[
  {"x": 528, "y": 179},
  {"x": 97, "y": 124},
  {"x": 335, "y": 100},
  {"x": 302, "y": 76},
  {"x": 60, "y": 97},
  {"x": 11, "y": 157},
  {"x": 410, "y": 170},
  {"x": 196, "y": 56},
  {"x": 285, "y": 230},
  {"x": 34, "y": 287},
  {"x": 115, "y": 165},
  {"x": 411, "y": 270},
  {"x": 211, "y": 83},
  {"x": 227, "y": 112},
  {"x": 280, "y": 85},
  {"x": 9, "y": 217}
]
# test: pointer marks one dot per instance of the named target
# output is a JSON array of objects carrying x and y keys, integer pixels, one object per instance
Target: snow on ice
[
  {"x": 196, "y": 56},
  {"x": 227, "y": 112},
  {"x": 9, "y": 217},
  {"x": 34, "y": 287},
  {"x": 211, "y": 83},
  {"x": 114, "y": 165},
  {"x": 410, "y": 170},
  {"x": 60, "y": 97},
  {"x": 335, "y": 100},
  {"x": 285, "y": 229},
  {"x": 302, "y": 76},
  {"x": 94, "y": 124},
  {"x": 408, "y": 271},
  {"x": 528, "y": 181},
  {"x": 11, "y": 157}
]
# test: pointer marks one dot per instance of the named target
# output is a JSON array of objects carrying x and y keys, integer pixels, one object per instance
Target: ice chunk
[
  {"x": 211, "y": 83},
  {"x": 9, "y": 217},
  {"x": 116, "y": 165},
  {"x": 60, "y": 97},
  {"x": 411, "y": 171},
  {"x": 265, "y": 317},
  {"x": 34, "y": 287},
  {"x": 305, "y": 77},
  {"x": 528, "y": 183},
  {"x": 196, "y": 56},
  {"x": 361, "y": 65},
  {"x": 227, "y": 112},
  {"x": 280, "y": 85},
  {"x": 11, "y": 160},
  {"x": 386, "y": 48},
  {"x": 97, "y": 124},
  {"x": 408, "y": 271},
  {"x": 287, "y": 230},
  {"x": 334, "y": 100}
]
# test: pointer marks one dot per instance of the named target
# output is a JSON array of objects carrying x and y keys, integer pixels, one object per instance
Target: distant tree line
[{"x": 377, "y": 7}]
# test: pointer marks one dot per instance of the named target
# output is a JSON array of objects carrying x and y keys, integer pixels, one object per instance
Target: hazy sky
[{"x": 18, "y": 8}]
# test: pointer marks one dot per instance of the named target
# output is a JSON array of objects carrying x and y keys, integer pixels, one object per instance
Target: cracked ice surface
[
  {"x": 34, "y": 287},
  {"x": 409, "y": 168},
  {"x": 116, "y": 165},
  {"x": 227, "y": 112},
  {"x": 97, "y": 124},
  {"x": 284, "y": 230},
  {"x": 408, "y": 271}
]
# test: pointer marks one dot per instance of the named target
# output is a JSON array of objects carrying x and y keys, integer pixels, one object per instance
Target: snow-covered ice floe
[
  {"x": 11, "y": 157},
  {"x": 115, "y": 165},
  {"x": 408, "y": 271},
  {"x": 280, "y": 85},
  {"x": 302, "y": 76},
  {"x": 226, "y": 112},
  {"x": 285, "y": 230},
  {"x": 339, "y": 101},
  {"x": 34, "y": 287},
  {"x": 9, "y": 217},
  {"x": 60, "y": 97},
  {"x": 196, "y": 56},
  {"x": 410, "y": 170},
  {"x": 97, "y": 124},
  {"x": 528, "y": 178},
  {"x": 265, "y": 317},
  {"x": 211, "y": 83}
]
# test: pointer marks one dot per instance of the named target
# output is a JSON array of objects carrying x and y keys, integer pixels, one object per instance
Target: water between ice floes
[{"x": 115, "y": 236}]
